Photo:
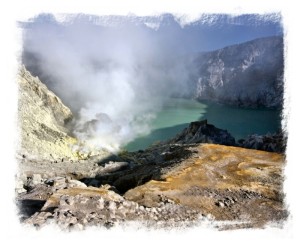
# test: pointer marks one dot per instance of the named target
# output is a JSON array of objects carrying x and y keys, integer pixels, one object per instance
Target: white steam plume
[{"x": 114, "y": 79}]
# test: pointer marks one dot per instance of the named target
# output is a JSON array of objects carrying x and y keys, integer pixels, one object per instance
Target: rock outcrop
[
  {"x": 42, "y": 121},
  {"x": 201, "y": 132},
  {"x": 248, "y": 74}
]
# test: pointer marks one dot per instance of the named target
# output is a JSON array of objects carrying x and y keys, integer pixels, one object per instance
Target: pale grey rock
[
  {"x": 220, "y": 204},
  {"x": 39, "y": 219},
  {"x": 114, "y": 166},
  {"x": 42, "y": 120},
  {"x": 19, "y": 188},
  {"x": 112, "y": 206},
  {"x": 100, "y": 203},
  {"x": 76, "y": 183},
  {"x": 36, "y": 179}
]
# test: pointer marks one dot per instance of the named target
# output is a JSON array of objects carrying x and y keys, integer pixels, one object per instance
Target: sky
[{"x": 209, "y": 32}]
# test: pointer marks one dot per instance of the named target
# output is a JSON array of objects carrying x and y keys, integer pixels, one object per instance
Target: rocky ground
[
  {"x": 228, "y": 183},
  {"x": 214, "y": 182},
  {"x": 200, "y": 175}
]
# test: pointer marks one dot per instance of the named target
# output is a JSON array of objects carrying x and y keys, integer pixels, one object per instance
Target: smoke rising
[
  {"x": 114, "y": 78},
  {"x": 116, "y": 72}
]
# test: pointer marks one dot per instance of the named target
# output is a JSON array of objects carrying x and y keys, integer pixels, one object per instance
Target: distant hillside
[{"x": 248, "y": 74}]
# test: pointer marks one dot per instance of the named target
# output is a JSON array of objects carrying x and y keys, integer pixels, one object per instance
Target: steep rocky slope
[
  {"x": 248, "y": 74},
  {"x": 45, "y": 139},
  {"x": 42, "y": 121}
]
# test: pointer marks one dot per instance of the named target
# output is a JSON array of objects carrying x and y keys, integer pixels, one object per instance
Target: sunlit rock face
[
  {"x": 42, "y": 119},
  {"x": 248, "y": 74},
  {"x": 229, "y": 183}
]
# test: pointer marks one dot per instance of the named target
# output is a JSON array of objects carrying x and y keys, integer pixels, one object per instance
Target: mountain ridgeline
[{"x": 246, "y": 75}]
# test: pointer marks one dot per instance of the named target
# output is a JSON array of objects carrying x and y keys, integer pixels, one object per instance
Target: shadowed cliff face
[{"x": 248, "y": 75}]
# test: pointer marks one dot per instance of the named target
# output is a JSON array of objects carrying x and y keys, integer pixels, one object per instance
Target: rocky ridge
[{"x": 202, "y": 132}]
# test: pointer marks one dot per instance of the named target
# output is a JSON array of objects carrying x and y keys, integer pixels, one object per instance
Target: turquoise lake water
[{"x": 178, "y": 113}]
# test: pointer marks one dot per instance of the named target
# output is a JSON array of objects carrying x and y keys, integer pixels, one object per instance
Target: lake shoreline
[{"x": 179, "y": 112}]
